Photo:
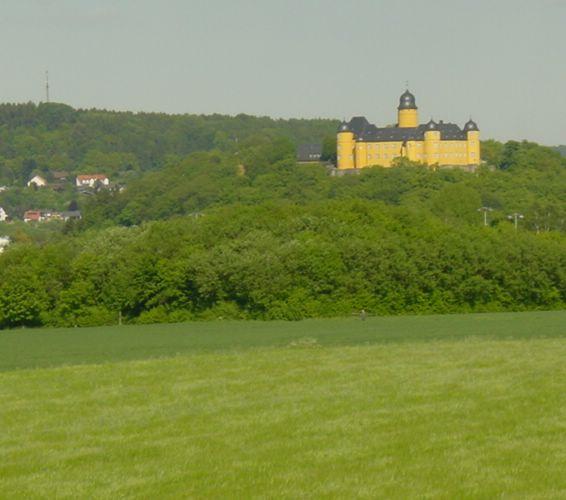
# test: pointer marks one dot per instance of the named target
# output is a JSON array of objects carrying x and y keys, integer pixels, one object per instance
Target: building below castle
[{"x": 361, "y": 144}]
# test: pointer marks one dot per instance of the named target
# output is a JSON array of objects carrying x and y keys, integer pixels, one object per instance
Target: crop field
[{"x": 458, "y": 406}]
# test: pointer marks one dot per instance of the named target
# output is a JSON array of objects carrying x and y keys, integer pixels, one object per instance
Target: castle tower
[
  {"x": 473, "y": 142},
  {"x": 346, "y": 144},
  {"x": 407, "y": 115},
  {"x": 432, "y": 143}
]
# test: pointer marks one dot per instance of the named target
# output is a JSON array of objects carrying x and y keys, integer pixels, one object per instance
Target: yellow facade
[
  {"x": 345, "y": 147},
  {"x": 473, "y": 147},
  {"x": 407, "y": 118},
  {"x": 360, "y": 144}
]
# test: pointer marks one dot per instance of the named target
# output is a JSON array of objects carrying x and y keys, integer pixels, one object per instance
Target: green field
[{"x": 460, "y": 406}]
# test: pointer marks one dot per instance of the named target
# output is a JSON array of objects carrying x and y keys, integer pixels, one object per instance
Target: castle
[{"x": 361, "y": 144}]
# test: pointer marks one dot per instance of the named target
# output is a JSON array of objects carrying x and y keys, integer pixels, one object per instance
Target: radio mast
[{"x": 47, "y": 85}]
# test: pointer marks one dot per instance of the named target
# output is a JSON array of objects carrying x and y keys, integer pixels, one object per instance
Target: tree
[
  {"x": 28, "y": 167},
  {"x": 329, "y": 148},
  {"x": 509, "y": 155},
  {"x": 22, "y": 299}
]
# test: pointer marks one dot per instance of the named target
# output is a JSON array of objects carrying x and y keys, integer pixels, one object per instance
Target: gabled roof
[{"x": 38, "y": 177}]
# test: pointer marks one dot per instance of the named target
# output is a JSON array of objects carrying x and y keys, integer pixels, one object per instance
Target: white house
[
  {"x": 4, "y": 242},
  {"x": 38, "y": 181},
  {"x": 91, "y": 180},
  {"x": 3, "y": 215}
]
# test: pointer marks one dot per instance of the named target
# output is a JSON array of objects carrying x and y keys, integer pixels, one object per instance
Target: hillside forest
[{"x": 212, "y": 217}]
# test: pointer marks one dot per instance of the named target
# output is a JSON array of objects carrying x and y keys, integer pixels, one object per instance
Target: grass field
[{"x": 461, "y": 406}]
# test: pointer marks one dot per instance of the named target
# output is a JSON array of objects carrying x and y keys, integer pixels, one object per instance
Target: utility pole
[
  {"x": 47, "y": 86},
  {"x": 515, "y": 216},
  {"x": 485, "y": 210}
]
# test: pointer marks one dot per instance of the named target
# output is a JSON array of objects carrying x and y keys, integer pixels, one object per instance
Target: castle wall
[{"x": 435, "y": 151}]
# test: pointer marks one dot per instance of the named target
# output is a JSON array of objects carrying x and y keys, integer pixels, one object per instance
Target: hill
[
  {"x": 473, "y": 407},
  {"x": 52, "y": 137},
  {"x": 245, "y": 232}
]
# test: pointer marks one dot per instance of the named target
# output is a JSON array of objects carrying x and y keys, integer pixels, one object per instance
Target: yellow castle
[{"x": 361, "y": 144}]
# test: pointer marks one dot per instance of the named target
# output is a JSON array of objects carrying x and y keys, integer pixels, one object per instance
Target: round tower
[
  {"x": 473, "y": 142},
  {"x": 407, "y": 116},
  {"x": 345, "y": 145},
  {"x": 432, "y": 143}
]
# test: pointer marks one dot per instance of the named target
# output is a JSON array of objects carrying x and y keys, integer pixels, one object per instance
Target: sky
[{"x": 502, "y": 62}]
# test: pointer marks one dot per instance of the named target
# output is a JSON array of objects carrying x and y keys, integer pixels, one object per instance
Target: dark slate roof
[
  {"x": 71, "y": 214},
  {"x": 407, "y": 101},
  {"x": 431, "y": 125},
  {"x": 470, "y": 125},
  {"x": 366, "y": 132},
  {"x": 309, "y": 152}
]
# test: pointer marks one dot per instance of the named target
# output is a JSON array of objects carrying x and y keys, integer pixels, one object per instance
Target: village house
[
  {"x": 60, "y": 180},
  {"x": 32, "y": 216},
  {"x": 92, "y": 180},
  {"x": 4, "y": 242},
  {"x": 37, "y": 181},
  {"x": 309, "y": 153},
  {"x": 60, "y": 175},
  {"x": 51, "y": 215},
  {"x": 71, "y": 214}
]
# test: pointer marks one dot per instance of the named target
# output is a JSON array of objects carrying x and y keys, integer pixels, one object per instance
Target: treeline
[
  {"x": 55, "y": 137},
  {"x": 282, "y": 261}
]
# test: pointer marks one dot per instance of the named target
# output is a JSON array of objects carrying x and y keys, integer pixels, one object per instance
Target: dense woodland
[
  {"x": 218, "y": 220},
  {"x": 53, "y": 137}
]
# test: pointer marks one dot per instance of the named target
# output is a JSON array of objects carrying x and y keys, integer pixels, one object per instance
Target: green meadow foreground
[{"x": 461, "y": 406}]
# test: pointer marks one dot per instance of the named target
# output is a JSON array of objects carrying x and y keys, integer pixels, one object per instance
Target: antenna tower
[{"x": 47, "y": 85}]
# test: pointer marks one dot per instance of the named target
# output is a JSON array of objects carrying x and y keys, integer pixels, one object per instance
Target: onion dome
[
  {"x": 470, "y": 125},
  {"x": 407, "y": 101},
  {"x": 344, "y": 127},
  {"x": 431, "y": 125}
]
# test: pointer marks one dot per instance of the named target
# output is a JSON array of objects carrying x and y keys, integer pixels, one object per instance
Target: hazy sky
[{"x": 501, "y": 61}]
